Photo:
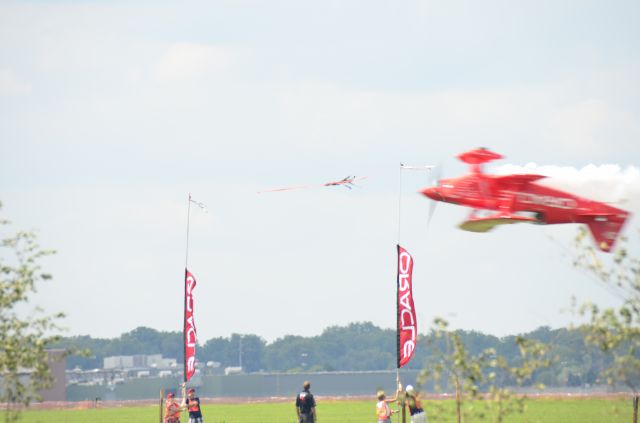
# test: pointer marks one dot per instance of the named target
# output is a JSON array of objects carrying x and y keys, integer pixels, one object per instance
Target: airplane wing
[
  {"x": 479, "y": 156},
  {"x": 517, "y": 179},
  {"x": 486, "y": 223}
]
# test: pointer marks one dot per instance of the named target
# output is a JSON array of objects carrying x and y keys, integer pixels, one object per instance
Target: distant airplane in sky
[{"x": 347, "y": 182}]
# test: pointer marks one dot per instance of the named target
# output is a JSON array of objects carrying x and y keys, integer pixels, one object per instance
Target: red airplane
[{"x": 517, "y": 198}]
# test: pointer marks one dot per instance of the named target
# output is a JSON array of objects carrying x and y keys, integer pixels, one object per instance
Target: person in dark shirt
[
  {"x": 418, "y": 415},
  {"x": 306, "y": 405},
  {"x": 193, "y": 405}
]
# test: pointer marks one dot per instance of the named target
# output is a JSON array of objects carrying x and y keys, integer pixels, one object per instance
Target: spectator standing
[
  {"x": 193, "y": 405},
  {"x": 172, "y": 408},
  {"x": 306, "y": 405},
  {"x": 383, "y": 411},
  {"x": 418, "y": 415}
]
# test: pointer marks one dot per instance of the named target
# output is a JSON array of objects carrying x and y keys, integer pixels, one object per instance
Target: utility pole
[{"x": 240, "y": 353}]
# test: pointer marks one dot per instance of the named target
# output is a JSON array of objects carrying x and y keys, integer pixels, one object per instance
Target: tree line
[{"x": 355, "y": 347}]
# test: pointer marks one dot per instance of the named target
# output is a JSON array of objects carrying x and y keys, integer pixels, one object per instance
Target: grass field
[{"x": 589, "y": 410}]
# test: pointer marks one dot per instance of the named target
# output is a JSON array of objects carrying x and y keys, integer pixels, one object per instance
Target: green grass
[{"x": 538, "y": 410}]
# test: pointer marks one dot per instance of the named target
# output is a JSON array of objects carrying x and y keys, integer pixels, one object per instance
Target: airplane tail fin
[{"x": 605, "y": 229}]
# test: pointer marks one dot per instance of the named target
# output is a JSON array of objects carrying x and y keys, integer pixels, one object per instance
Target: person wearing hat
[
  {"x": 172, "y": 408},
  {"x": 193, "y": 405},
  {"x": 306, "y": 405},
  {"x": 383, "y": 411},
  {"x": 418, "y": 415}
]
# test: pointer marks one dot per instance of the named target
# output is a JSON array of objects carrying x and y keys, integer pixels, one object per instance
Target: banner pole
[
  {"x": 400, "y": 202},
  {"x": 186, "y": 259},
  {"x": 184, "y": 327},
  {"x": 398, "y": 286},
  {"x": 184, "y": 315},
  {"x": 402, "y": 400},
  {"x": 397, "y": 315}
]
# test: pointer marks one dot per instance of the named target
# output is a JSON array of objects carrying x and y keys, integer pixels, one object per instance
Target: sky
[{"x": 112, "y": 112}]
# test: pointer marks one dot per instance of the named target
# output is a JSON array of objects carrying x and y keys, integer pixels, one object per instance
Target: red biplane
[{"x": 517, "y": 198}]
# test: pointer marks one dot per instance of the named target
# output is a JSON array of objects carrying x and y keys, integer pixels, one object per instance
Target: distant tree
[
  {"x": 141, "y": 340},
  {"x": 452, "y": 366},
  {"x": 84, "y": 352},
  {"x": 614, "y": 330},
  {"x": 288, "y": 354},
  {"x": 250, "y": 351},
  {"x": 479, "y": 380},
  {"x": 89, "y": 353},
  {"x": 24, "y": 339},
  {"x": 217, "y": 349},
  {"x": 356, "y": 346},
  {"x": 245, "y": 350},
  {"x": 172, "y": 346}
]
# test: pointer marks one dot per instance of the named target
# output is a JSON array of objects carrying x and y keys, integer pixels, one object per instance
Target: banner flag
[
  {"x": 407, "y": 329},
  {"x": 190, "y": 335}
]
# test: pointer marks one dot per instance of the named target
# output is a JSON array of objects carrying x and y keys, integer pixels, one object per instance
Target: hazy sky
[{"x": 111, "y": 112}]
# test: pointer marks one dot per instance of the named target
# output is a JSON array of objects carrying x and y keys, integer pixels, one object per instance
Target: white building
[{"x": 138, "y": 361}]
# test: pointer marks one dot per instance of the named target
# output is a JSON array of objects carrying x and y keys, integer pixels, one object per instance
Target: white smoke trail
[{"x": 607, "y": 183}]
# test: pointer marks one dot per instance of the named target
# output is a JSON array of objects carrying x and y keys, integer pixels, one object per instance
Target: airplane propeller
[{"x": 436, "y": 175}]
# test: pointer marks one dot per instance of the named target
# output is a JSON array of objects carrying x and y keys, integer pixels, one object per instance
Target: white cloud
[
  {"x": 329, "y": 116},
  {"x": 10, "y": 84},
  {"x": 578, "y": 124},
  {"x": 187, "y": 60}
]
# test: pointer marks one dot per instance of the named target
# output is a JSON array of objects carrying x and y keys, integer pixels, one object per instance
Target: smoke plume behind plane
[{"x": 608, "y": 183}]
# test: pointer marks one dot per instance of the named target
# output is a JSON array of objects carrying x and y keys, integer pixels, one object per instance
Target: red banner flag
[
  {"x": 190, "y": 335},
  {"x": 407, "y": 324}
]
